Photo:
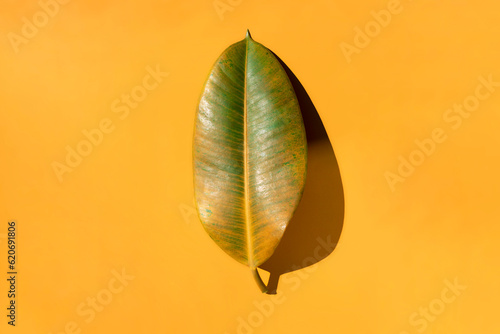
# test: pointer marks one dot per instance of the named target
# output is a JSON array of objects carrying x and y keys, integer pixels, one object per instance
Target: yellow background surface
[{"x": 127, "y": 206}]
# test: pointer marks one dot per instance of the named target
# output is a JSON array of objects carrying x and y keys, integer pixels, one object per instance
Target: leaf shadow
[{"x": 314, "y": 230}]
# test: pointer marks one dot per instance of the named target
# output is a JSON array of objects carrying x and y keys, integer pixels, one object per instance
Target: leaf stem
[{"x": 259, "y": 281}]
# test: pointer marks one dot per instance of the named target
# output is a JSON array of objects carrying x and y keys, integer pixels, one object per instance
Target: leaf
[{"x": 249, "y": 153}]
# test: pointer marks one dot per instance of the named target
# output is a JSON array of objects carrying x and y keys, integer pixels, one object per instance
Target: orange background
[{"x": 128, "y": 204}]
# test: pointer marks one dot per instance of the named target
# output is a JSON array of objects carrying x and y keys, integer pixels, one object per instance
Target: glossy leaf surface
[{"x": 249, "y": 152}]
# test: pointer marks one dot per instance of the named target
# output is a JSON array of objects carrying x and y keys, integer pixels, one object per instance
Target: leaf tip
[{"x": 248, "y": 36}]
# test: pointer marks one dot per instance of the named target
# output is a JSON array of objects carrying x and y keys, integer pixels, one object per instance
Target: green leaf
[{"x": 249, "y": 153}]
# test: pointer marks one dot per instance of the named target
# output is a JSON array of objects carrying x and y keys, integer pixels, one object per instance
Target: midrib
[{"x": 245, "y": 167}]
